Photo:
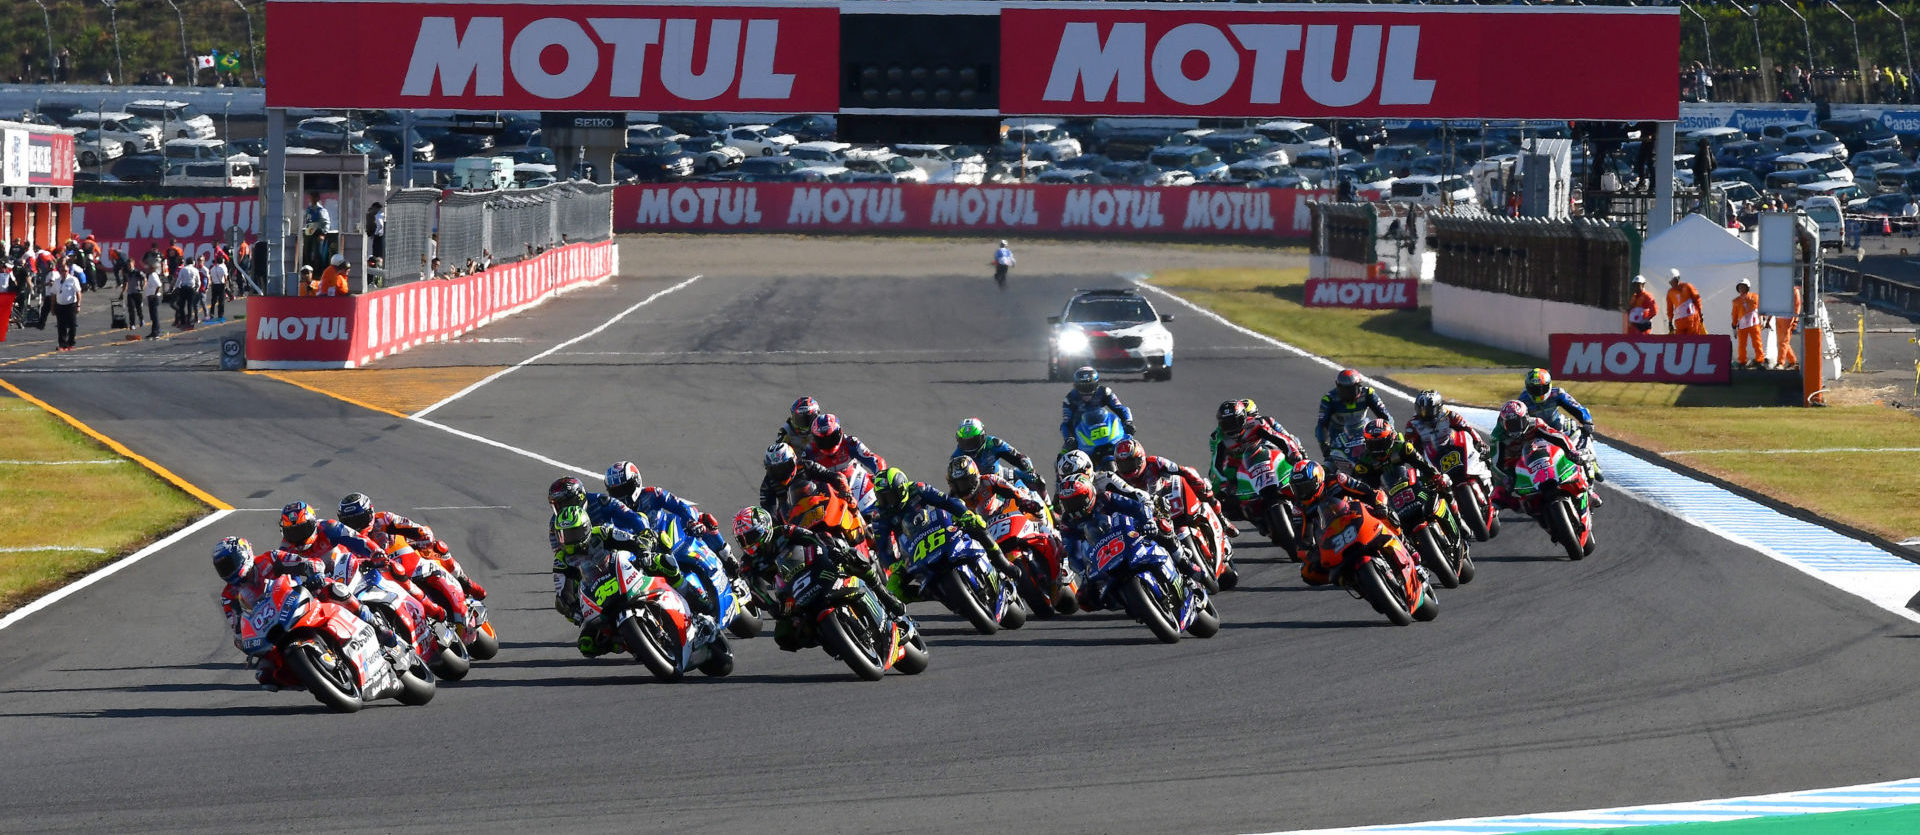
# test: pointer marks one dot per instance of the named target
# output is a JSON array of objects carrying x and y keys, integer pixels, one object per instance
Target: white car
[
  {"x": 946, "y": 163},
  {"x": 759, "y": 140},
  {"x": 176, "y": 119},
  {"x": 1295, "y": 138},
  {"x": 198, "y": 150},
  {"x": 710, "y": 154},
  {"x": 92, "y": 151},
  {"x": 1043, "y": 140},
  {"x": 1830, "y": 167},
  {"x": 1430, "y": 190},
  {"x": 139, "y": 135},
  {"x": 1110, "y": 330},
  {"x": 902, "y": 169},
  {"x": 821, "y": 154},
  {"x": 649, "y": 130}
]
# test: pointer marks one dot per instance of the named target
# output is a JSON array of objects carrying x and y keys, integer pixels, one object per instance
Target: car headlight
[{"x": 1072, "y": 342}]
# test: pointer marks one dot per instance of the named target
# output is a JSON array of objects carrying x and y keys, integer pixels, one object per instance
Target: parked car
[
  {"x": 177, "y": 119},
  {"x": 1370, "y": 180},
  {"x": 1134, "y": 144},
  {"x": 449, "y": 143},
  {"x": 1318, "y": 164},
  {"x": 1887, "y": 205},
  {"x": 1441, "y": 164},
  {"x": 1041, "y": 141},
  {"x": 710, "y": 154},
  {"x": 331, "y": 130},
  {"x": 1070, "y": 177},
  {"x": 1898, "y": 181},
  {"x": 1716, "y": 137},
  {"x": 902, "y": 169},
  {"x": 1253, "y": 170},
  {"x": 1872, "y": 161},
  {"x": 1739, "y": 153},
  {"x": 760, "y": 140},
  {"x": 1017, "y": 171},
  {"x": 1826, "y": 164},
  {"x": 1295, "y": 138},
  {"x": 140, "y": 168},
  {"x": 809, "y": 128},
  {"x": 652, "y": 130},
  {"x": 1721, "y": 175},
  {"x": 1736, "y": 191},
  {"x": 389, "y": 139},
  {"x": 1427, "y": 190},
  {"x": 217, "y": 173},
  {"x": 780, "y": 169},
  {"x": 533, "y": 155},
  {"x": 199, "y": 150},
  {"x": 656, "y": 160},
  {"x": 946, "y": 163},
  {"x": 695, "y": 124},
  {"x": 1138, "y": 173},
  {"x": 1785, "y": 182},
  {"x": 93, "y": 150},
  {"x": 137, "y": 134},
  {"x": 1398, "y": 158},
  {"x": 1814, "y": 141},
  {"x": 1203, "y": 164},
  {"x": 1363, "y": 135},
  {"x": 820, "y": 154},
  {"x": 1234, "y": 147},
  {"x": 1861, "y": 133},
  {"x": 1841, "y": 190},
  {"x": 1825, "y": 213}
]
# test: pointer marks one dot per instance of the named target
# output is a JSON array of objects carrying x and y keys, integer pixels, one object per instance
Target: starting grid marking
[{"x": 1844, "y": 799}]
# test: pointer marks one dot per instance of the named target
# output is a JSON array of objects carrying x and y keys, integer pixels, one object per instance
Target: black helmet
[
  {"x": 566, "y": 492},
  {"x": 232, "y": 558},
  {"x": 1348, "y": 384},
  {"x": 356, "y": 511},
  {"x": 1085, "y": 379},
  {"x": 963, "y": 476},
  {"x": 1231, "y": 416}
]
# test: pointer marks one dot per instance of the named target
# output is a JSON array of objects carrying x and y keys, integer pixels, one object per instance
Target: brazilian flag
[{"x": 226, "y": 61}]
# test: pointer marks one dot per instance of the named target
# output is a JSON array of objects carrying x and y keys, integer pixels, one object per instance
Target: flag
[
  {"x": 203, "y": 62},
  {"x": 226, "y": 61}
]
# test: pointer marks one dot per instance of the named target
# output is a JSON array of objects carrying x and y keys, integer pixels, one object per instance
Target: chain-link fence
[
  {"x": 411, "y": 215},
  {"x": 1578, "y": 261},
  {"x": 489, "y": 227}
]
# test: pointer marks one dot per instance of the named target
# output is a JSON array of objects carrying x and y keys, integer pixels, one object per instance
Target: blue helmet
[{"x": 232, "y": 558}]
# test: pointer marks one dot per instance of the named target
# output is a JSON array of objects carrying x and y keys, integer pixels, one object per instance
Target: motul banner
[
  {"x": 553, "y": 56},
  {"x": 1296, "y": 60},
  {"x": 1641, "y": 358},
  {"x": 1364, "y": 293},
  {"x": 1200, "y": 212},
  {"x": 197, "y": 223},
  {"x": 351, "y": 331}
]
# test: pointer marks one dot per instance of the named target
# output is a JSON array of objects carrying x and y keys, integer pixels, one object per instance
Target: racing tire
[
  {"x": 913, "y": 660},
  {"x": 1434, "y": 557},
  {"x": 1467, "y": 499},
  {"x": 646, "y": 649},
  {"x": 1201, "y": 573},
  {"x": 1039, "y": 603},
  {"x": 1280, "y": 526},
  {"x": 1377, "y": 588},
  {"x": 1206, "y": 622},
  {"x": 746, "y": 623},
  {"x": 1142, "y": 605},
  {"x": 858, "y": 655},
  {"x": 327, "y": 685},
  {"x": 416, "y": 684},
  {"x": 1429, "y": 607},
  {"x": 1230, "y": 579},
  {"x": 959, "y": 598},
  {"x": 766, "y": 152},
  {"x": 485, "y": 644},
  {"x": 89, "y": 159},
  {"x": 1016, "y": 615},
  {"x": 1466, "y": 569},
  {"x": 712, "y": 166},
  {"x": 1561, "y": 520},
  {"x": 1592, "y": 542},
  {"x": 719, "y": 661},
  {"x": 452, "y": 662}
]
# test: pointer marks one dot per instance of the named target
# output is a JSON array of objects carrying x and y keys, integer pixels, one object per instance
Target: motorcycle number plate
[
  {"x": 1110, "y": 549},
  {"x": 1343, "y": 539},
  {"x": 1000, "y": 529},
  {"x": 1450, "y": 461},
  {"x": 926, "y": 545}
]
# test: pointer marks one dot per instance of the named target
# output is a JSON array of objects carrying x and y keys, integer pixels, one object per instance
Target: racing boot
[
  {"x": 892, "y": 604},
  {"x": 473, "y": 588}
]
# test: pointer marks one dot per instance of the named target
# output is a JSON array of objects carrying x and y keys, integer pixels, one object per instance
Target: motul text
[{"x": 1655, "y": 359}]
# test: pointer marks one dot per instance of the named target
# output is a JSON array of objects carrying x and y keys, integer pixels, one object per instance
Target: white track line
[
  {"x": 469, "y": 507},
  {"x": 544, "y": 354},
  {"x": 508, "y": 447},
  {"x": 61, "y": 593}
]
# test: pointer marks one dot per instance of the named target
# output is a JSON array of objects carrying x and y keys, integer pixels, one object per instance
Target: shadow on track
[
  {"x": 208, "y": 687},
  {"x": 191, "y": 712},
  {"x": 1303, "y": 624}
]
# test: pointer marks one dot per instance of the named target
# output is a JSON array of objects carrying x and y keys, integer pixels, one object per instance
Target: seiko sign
[{"x": 559, "y": 56}]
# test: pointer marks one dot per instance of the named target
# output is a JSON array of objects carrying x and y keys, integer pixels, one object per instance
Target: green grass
[
  {"x": 113, "y": 509},
  {"x": 1271, "y": 302},
  {"x": 1899, "y": 820}
]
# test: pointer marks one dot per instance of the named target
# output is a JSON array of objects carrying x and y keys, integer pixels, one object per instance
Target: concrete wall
[{"x": 1513, "y": 322}]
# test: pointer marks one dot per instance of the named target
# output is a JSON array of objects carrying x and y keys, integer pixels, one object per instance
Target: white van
[
  {"x": 483, "y": 173},
  {"x": 1832, "y": 167},
  {"x": 139, "y": 135},
  {"x": 200, "y": 150},
  {"x": 946, "y": 163},
  {"x": 1430, "y": 190},
  {"x": 218, "y": 173},
  {"x": 177, "y": 119},
  {"x": 1825, "y": 212}
]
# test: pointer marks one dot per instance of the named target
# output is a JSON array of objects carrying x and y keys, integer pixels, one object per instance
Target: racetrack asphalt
[{"x": 1671, "y": 665}]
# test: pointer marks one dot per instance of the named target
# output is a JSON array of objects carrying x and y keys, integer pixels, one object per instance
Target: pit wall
[
  {"x": 289, "y": 332},
  {"x": 1515, "y": 323},
  {"x": 1198, "y": 212}
]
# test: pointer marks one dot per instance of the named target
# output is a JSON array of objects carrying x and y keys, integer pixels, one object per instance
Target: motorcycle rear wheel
[
  {"x": 746, "y": 623},
  {"x": 646, "y": 647},
  {"x": 959, "y": 598},
  {"x": 1016, "y": 615},
  {"x": 1206, "y": 622},
  {"x": 856, "y": 651},
  {"x": 452, "y": 662},
  {"x": 719, "y": 658},
  {"x": 1038, "y": 602},
  {"x": 913, "y": 661},
  {"x": 1468, "y": 500},
  {"x": 416, "y": 684},
  {"x": 1376, "y": 584},
  {"x": 1280, "y": 526},
  {"x": 1561, "y": 517},
  {"x": 1434, "y": 557},
  {"x": 327, "y": 684},
  {"x": 485, "y": 643},
  {"x": 1142, "y": 605},
  {"x": 1428, "y": 609}
]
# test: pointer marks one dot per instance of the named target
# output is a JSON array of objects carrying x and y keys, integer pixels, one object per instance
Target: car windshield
[
  {"x": 135, "y": 123},
  {"x": 1823, "y": 214},
  {"x": 898, "y": 164},
  {"x": 1109, "y": 309},
  {"x": 1311, "y": 133}
]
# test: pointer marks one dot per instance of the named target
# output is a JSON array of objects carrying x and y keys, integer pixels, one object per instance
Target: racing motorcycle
[
  {"x": 1202, "y": 534},
  {"x": 369, "y": 581},
  {"x": 1096, "y": 432},
  {"x": 1258, "y": 486},
  {"x": 1459, "y": 457},
  {"x": 320, "y": 646},
  {"x": 478, "y": 633},
  {"x": 852, "y": 626},
  {"x": 701, "y": 568},
  {"x": 813, "y": 506},
  {"x": 1136, "y": 574},
  {"x": 1373, "y": 565},
  {"x": 651, "y": 620},
  {"x": 944, "y": 562},
  {"x": 1427, "y": 519},
  {"x": 1552, "y": 487},
  {"x": 1046, "y": 583}
]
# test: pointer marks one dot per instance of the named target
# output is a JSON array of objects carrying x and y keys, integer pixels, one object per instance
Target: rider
[
  {"x": 1553, "y": 404},
  {"x": 1514, "y": 431},
  {"x": 832, "y": 448},
  {"x": 1434, "y": 422},
  {"x": 896, "y": 498},
  {"x": 798, "y": 429},
  {"x": 768, "y": 548},
  {"x": 247, "y": 581},
  {"x": 581, "y": 547},
  {"x": 784, "y": 469},
  {"x": 1002, "y": 261},
  {"x": 1322, "y": 497},
  {"x": 1134, "y": 466},
  {"x": 1085, "y": 517},
  {"x": 1088, "y": 394},
  {"x": 1384, "y": 448},
  {"x": 988, "y": 451},
  {"x": 1344, "y": 409},
  {"x": 306, "y": 550},
  {"x": 601, "y": 508},
  {"x": 1239, "y": 427},
  {"x": 357, "y": 512},
  {"x": 623, "y": 483},
  {"x": 1076, "y": 464},
  {"x": 986, "y": 493}
]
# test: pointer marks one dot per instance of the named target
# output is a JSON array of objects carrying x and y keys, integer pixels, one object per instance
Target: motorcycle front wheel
[
  {"x": 1141, "y": 604},
  {"x": 485, "y": 643},
  {"x": 416, "y": 683},
  {"x": 643, "y": 641},
  {"x": 1467, "y": 499},
  {"x": 1376, "y": 584},
  {"x": 1561, "y": 517},
  {"x": 1434, "y": 557},
  {"x": 960, "y": 599},
  {"x": 847, "y": 637},
  {"x": 334, "y": 685}
]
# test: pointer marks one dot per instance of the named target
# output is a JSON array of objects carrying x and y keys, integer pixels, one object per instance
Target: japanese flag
[{"x": 204, "y": 62}]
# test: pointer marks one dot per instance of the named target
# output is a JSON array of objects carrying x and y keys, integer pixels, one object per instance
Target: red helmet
[
  {"x": 1348, "y": 384},
  {"x": 802, "y": 413},
  {"x": 1307, "y": 479},
  {"x": 826, "y": 432},
  {"x": 1130, "y": 457},
  {"x": 1076, "y": 498},
  {"x": 1513, "y": 416}
]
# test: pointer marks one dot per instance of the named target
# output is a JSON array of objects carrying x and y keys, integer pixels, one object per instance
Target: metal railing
[
  {"x": 490, "y": 227},
  {"x": 1577, "y": 261},
  {"x": 1875, "y": 290}
]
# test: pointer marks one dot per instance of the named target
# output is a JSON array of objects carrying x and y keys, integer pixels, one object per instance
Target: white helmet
[
  {"x": 1072, "y": 462},
  {"x": 1003, "y": 244}
]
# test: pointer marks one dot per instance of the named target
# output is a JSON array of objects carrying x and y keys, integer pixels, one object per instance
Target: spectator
[
  {"x": 333, "y": 282},
  {"x": 377, "y": 228},
  {"x": 319, "y": 225},
  {"x": 376, "y": 272},
  {"x": 433, "y": 269},
  {"x": 186, "y": 285},
  {"x": 64, "y": 290},
  {"x": 217, "y": 289},
  {"x": 308, "y": 286},
  {"x": 134, "y": 291},
  {"x": 175, "y": 258},
  {"x": 153, "y": 286},
  {"x": 433, "y": 248}
]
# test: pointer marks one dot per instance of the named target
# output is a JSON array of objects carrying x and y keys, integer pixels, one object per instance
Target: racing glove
[{"x": 1129, "y": 427}]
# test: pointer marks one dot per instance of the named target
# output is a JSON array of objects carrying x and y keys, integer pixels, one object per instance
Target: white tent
[{"x": 1710, "y": 256}]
